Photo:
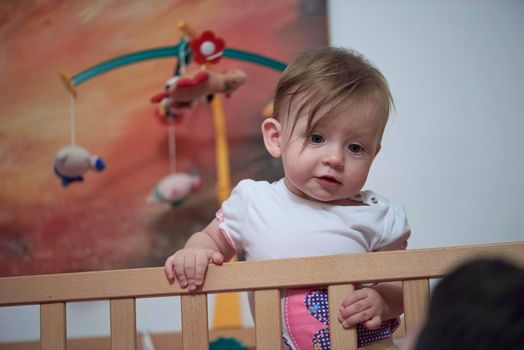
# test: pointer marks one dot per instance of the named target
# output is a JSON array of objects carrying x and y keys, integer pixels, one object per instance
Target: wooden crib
[{"x": 413, "y": 267}]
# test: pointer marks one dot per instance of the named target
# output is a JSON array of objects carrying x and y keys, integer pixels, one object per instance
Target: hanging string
[
  {"x": 171, "y": 119},
  {"x": 172, "y": 144},
  {"x": 72, "y": 119},
  {"x": 182, "y": 57}
]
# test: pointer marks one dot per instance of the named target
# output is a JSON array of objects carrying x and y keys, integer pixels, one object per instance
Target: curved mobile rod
[
  {"x": 168, "y": 51},
  {"x": 254, "y": 58},
  {"x": 120, "y": 61}
]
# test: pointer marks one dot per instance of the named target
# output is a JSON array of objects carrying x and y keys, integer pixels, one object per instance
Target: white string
[
  {"x": 182, "y": 59},
  {"x": 72, "y": 120},
  {"x": 172, "y": 145},
  {"x": 171, "y": 119}
]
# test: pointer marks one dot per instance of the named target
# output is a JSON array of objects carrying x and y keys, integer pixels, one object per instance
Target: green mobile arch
[{"x": 168, "y": 51}]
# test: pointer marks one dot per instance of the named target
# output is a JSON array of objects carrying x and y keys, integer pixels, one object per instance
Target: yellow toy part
[
  {"x": 267, "y": 112},
  {"x": 227, "y": 305}
]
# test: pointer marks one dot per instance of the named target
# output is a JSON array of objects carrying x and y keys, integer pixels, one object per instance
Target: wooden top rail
[{"x": 284, "y": 273}]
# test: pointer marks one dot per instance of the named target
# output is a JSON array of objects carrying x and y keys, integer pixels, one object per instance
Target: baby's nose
[{"x": 334, "y": 159}]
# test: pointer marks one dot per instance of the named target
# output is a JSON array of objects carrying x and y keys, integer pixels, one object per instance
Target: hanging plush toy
[
  {"x": 175, "y": 189},
  {"x": 72, "y": 162},
  {"x": 202, "y": 83},
  {"x": 182, "y": 91},
  {"x": 180, "y": 94}
]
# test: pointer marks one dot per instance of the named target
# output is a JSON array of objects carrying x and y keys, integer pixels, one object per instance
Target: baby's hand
[
  {"x": 189, "y": 266},
  {"x": 362, "y": 306}
]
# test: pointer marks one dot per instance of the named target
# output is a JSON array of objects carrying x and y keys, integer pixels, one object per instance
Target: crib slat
[
  {"x": 53, "y": 326},
  {"x": 267, "y": 319},
  {"x": 340, "y": 338},
  {"x": 416, "y": 299},
  {"x": 123, "y": 324},
  {"x": 195, "y": 335}
]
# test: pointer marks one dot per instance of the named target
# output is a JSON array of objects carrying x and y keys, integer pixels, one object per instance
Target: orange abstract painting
[{"x": 105, "y": 221}]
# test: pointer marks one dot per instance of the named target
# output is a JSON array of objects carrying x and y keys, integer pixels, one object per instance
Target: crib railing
[{"x": 413, "y": 267}]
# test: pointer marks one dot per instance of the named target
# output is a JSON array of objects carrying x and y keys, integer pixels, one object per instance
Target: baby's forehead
[{"x": 321, "y": 112}]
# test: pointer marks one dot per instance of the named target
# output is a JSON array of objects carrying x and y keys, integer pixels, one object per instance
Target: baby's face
[{"x": 332, "y": 162}]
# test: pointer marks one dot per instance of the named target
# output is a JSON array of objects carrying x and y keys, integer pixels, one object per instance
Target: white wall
[{"x": 453, "y": 151}]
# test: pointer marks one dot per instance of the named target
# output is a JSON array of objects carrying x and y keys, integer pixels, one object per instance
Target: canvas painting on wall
[{"x": 105, "y": 222}]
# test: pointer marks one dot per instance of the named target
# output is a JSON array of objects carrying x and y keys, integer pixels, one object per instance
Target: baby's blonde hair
[{"x": 333, "y": 78}]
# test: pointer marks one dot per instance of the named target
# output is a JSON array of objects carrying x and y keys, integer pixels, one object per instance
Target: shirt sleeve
[
  {"x": 232, "y": 217},
  {"x": 395, "y": 229}
]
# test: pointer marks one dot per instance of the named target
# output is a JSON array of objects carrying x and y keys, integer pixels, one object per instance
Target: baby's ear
[
  {"x": 379, "y": 146},
  {"x": 272, "y": 132}
]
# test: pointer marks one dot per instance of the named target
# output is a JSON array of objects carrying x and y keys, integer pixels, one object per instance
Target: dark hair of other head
[{"x": 478, "y": 306}]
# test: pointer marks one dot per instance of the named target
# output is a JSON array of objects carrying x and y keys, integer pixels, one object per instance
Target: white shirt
[{"x": 267, "y": 221}]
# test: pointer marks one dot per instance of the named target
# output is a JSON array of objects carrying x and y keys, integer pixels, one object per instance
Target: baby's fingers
[
  {"x": 374, "y": 323},
  {"x": 351, "y": 318},
  {"x": 217, "y": 258},
  {"x": 200, "y": 269},
  {"x": 169, "y": 269},
  {"x": 352, "y": 309},
  {"x": 354, "y": 297},
  {"x": 180, "y": 271},
  {"x": 190, "y": 270}
]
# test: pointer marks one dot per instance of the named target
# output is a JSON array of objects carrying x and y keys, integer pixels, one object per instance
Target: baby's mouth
[{"x": 329, "y": 179}]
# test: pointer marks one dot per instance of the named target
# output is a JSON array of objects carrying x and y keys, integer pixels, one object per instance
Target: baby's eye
[
  {"x": 354, "y": 148},
  {"x": 316, "y": 138}
]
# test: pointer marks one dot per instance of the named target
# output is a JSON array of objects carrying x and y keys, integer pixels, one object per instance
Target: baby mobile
[{"x": 182, "y": 91}]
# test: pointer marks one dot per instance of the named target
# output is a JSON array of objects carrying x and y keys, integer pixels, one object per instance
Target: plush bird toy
[
  {"x": 72, "y": 162},
  {"x": 182, "y": 91}
]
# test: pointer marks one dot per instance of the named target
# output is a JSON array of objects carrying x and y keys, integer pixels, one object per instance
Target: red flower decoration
[{"x": 207, "y": 48}]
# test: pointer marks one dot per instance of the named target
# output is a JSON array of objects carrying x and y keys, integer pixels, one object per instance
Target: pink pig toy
[{"x": 175, "y": 189}]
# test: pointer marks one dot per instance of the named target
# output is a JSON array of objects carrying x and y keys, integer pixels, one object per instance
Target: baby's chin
[
  {"x": 327, "y": 199},
  {"x": 334, "y": 200}
]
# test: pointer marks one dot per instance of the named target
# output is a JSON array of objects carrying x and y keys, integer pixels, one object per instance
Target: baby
[{"x": 330, "y": 110}]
